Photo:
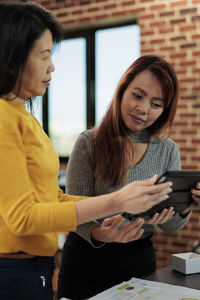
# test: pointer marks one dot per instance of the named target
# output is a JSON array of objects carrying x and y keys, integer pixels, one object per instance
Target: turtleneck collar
[{"x": 140, "y": 136}]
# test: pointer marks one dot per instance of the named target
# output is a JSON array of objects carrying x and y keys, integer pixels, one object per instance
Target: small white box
[{"x": 187, "y": 263}]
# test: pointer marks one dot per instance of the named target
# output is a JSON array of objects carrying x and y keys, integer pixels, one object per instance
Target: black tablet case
[{"x": 180, "y": 198}]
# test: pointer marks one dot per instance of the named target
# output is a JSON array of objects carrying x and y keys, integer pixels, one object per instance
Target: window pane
[
  {"x": 116, "y": 49},
  {"x": 36, "y": 108},
  {"x": 67, "y": 95}
]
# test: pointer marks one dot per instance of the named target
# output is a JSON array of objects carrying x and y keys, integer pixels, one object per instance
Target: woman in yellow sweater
[{"x": 32, "y": 207}]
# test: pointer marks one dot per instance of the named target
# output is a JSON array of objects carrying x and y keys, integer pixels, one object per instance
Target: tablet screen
[{"x": 180, "y": 197}]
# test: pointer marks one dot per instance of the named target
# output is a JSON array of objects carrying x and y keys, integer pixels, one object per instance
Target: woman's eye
[
  {"x": 46, "y": 57},
  {"x": 137, "y": 96},
  {"x": 157, "y": 105}
]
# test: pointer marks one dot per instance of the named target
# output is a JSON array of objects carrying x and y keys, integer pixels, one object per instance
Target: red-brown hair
[{"x": 111, "y": 138}]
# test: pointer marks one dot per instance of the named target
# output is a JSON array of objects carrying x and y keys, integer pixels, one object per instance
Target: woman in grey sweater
[{"x": 127, "y": 146}]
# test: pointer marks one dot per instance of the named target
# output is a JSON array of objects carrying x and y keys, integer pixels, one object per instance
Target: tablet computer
[{"x": 180, "y": 197}]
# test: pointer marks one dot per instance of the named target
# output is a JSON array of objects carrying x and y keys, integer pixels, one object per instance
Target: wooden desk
[{"x": 167, "y": 275}]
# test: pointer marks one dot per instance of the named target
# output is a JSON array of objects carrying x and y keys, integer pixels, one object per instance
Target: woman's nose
[
  {"x": 51, "y": 68},
  {"x": 143, "y": 107}
]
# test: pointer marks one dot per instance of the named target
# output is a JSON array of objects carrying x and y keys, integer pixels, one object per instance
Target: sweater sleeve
[
  {"x": 21, "y": 210},
  {"x": 80, "y": 180}
]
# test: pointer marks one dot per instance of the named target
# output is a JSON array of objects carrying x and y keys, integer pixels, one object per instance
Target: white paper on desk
[{"x": 139, "y": 289}]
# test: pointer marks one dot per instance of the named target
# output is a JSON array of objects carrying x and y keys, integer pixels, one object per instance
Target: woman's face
[
  {"x": 37, "y": 72},
  {"x": 142, "y": 102}
]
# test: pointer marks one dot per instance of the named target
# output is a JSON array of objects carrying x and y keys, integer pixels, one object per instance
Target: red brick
[
  {"x": 177, "y": 21},
  {"x": 110, "y": 6},
  {"x": 178, "y": 38},
  {"x": 145, "y": 33},
  {"x": 180, "y": 105},
  {"x": 85, "y": 2},
  {"x": 144, "y": 17},
  {"x": 193, "y": 158},
  {"x": 196, "y": 18},
  {"x": 157, "y": 23},
  {"x": 60, "y": 15},
  {"x": 45, "y": 3},
  {"x": 67, "y": 22},
  {"x": 188, "y": 80},
  {"x": 120, "y": 13},
  {"x": 195, "y": 36},
  {"x": 183, "y": 158},
  {"x": 54, "y": 7},
  {"x": 179, "y": 140},
  {"x": 84, "y": 20},
  {"x": 158, "y": 6},
  {"x": 149, "y": 50},
  {"x": 157, "y": 41},
  {"x": 166, "y": 30},
  {"x": 196, "y": 228},
  {"x": 188, "y": 115},
  {"x": 77, "y": 12},
  {"x": 181, "y": 72},
  {"x": 189, "y": 97},
  {"x": 186, "y": 167},
  {"x": 188, "y": 10},
  {"x": 180, "y": 124},
  {"x": 167, "y": 14},
  {"x": 196, "y": 70},
  {"x": 178, "y": 55},
  {"x": 93, "y": 9},
  {"x": 183, "y": 89},
  {"x": 191, "y": 45},
  {"x": 67, "y": 5},
  {"x": 188, "y": 63},
  {"x": 196, "y": 140},
  {"x": 195, "y": 124},
  {"x": 187, "y": 28},
  {"x": 137, "y": 10},
  {"x": 196, "y": 53},
  {"x": 177, "y": 3},
  {"x": 196, "y": 88},
  {"x": 100, "y": 17},
  {"x": 169, "y": 48},
  {"x": 126, "y": 3},
  {"x": 187, "y": 149}
]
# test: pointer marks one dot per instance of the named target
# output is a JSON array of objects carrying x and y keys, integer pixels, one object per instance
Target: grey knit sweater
[{"x": 161, "y": 155}]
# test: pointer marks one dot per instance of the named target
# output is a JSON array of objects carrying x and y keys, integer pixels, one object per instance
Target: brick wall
[{"x": 170, "y": 28}]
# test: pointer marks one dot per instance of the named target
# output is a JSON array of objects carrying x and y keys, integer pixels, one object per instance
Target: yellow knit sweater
[{"x": 32, "y": 207}]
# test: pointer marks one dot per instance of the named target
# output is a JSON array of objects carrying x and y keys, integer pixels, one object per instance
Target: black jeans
[
  {"x": 26, "y": 279},
  {"x": 86, "y": 271}
]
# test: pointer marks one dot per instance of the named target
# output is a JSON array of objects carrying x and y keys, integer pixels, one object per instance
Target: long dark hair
[
  {"x": 111, "y": 138},
  {"x": 22, "y": 24}
]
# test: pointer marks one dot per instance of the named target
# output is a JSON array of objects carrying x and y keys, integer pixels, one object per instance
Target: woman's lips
[
  {"x": 137, "y": 120},
  {"x": 47, "y": 83}
]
